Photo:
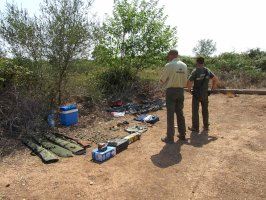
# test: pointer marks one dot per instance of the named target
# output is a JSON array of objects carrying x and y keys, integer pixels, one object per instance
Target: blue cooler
[
  {"x": 101, "y": 156},
  {"x": 68, "y": 115}
]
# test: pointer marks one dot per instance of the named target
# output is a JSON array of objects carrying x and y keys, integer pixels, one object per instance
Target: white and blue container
[
  {"x": 101, "y": 156},
  {"x": 51, "y": 119},
  {"x": 68, "y": 115}
]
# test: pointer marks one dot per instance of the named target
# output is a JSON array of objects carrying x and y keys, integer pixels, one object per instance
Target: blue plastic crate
[
  {"x": 69, "y": 115},
  {"x": 101, "y": 156}
]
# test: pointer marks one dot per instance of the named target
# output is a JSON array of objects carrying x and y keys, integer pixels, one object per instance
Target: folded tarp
[
  {"x": 73, "y": 147},
  {"x": 46, "y": 155},
  {"x": 58, "y": 150}
]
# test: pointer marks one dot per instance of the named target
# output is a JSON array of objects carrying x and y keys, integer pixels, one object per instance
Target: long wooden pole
[{"x": 239, "y": 91}]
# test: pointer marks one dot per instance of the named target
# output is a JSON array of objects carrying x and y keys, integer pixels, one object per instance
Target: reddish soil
[{"x": 228, "y": 163}]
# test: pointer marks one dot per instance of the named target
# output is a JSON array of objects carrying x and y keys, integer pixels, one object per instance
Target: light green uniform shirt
[{"x": 174, "y": 75}]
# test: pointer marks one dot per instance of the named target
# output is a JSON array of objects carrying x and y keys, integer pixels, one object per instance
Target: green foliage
[
  {"x": 232, "y": 61},
  {"x": 261, "y": 63},
  {"x": 21, "y": 32},
  {"x": 136, "y": 35},
  {"x": 52, "y": 41},
  {"x": 255, "y": 53},
  {"x": 2, "y": 50},
  {"x": 13, "y": 75},
  {"x": 190, "y": 62},
  {"x": 67, "y": 37},
  {"x": 116, "y": 79},
  {"x": 205, "y": 47}
]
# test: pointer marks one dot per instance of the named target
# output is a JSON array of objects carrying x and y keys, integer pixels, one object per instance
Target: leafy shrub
[
  {"x": 261, "y": 63},
  {"x": 190, "y": 62},
  {"x": 232, "y": 61},
  {"x": 13, "y": 75},
  {"x": 116, "y": 79}
]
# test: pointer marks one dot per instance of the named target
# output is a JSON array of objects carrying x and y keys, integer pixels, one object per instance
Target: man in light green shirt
[{"x": 174, "y": 79}]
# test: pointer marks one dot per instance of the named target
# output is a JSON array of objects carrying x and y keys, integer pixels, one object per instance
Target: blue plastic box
[
  {"x": 69, "y": 115},
  {"x": 101, "y": 156}
]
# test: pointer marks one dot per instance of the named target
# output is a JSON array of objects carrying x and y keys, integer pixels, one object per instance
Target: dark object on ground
[
  {"x": 134, "y": 108},
  {"x": 58, "y": 150},
  {"x": 46, "y": 156},
  {"x": 123, "y": 123},
  {"x": 119, "y": 144},
  {"x": 73, "y": 147}
]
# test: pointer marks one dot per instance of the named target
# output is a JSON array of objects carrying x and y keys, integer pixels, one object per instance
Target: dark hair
[
  {"x": 173, "y": 52},
  {"x": 200, "y": 60}
]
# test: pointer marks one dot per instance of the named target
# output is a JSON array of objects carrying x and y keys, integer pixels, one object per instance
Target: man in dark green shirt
[{"x": 200, "y": 79}]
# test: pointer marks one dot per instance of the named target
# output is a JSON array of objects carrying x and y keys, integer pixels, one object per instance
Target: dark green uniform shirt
[{"x": 197, "y": 77}]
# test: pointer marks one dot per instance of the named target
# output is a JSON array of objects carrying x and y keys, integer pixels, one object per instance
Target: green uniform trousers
[
  {"x": 175, "y": 105},
  {"x": 195, "y": 111}
]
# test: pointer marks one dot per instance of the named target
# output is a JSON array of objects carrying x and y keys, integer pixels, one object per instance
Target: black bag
[{"x": 119, "y": 144}]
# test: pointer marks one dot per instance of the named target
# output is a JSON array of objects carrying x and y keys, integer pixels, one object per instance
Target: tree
[
  {"x": 205, "y": 47},
  {"x": 61, "y": 34},
  {"x": 255, "y": 53},
  {"x": 68, "y": 34},
  {"x": 136, "y": 35}
]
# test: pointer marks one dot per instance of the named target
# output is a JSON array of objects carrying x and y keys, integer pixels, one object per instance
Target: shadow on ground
[
  {"x": 168, "y": 156},
  {"x": 170, "y": 153},
  {"x": 201, "y": 139}
]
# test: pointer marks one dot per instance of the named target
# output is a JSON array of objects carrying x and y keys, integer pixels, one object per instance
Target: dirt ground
[{"x": 227, "y": 163}]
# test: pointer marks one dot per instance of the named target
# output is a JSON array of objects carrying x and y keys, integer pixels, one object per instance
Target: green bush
[
  {"x": 117, "y": 79},
  {"x": 261, "y": 63},
  {"x": 14, "y": 75},
  {"x": 190, "y": 62},
  {"x": 232, "y": 61}
]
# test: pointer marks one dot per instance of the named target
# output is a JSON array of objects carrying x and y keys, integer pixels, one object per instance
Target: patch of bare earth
[{"x": 228, "y": 163}]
